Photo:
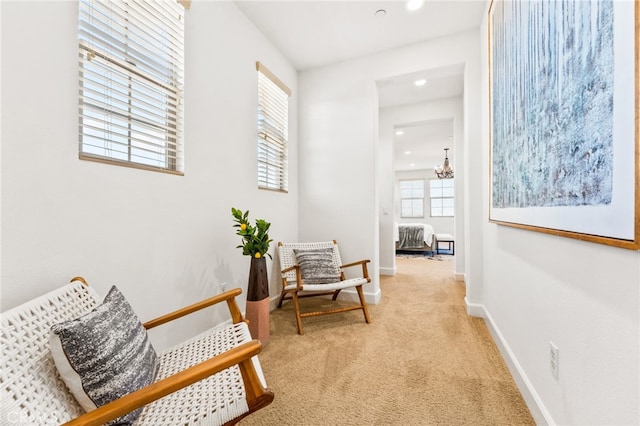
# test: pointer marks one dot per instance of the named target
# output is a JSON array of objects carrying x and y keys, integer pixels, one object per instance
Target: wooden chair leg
[
  {"x": 296, "y": 306},
  {"x": 282, "y": 294},
  {"x": 363, "y": 303},
  {"x": 335, "y": 294}
]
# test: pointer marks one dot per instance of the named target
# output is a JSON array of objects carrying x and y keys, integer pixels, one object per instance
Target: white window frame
[
  {"x": 441, "y": 197},
  {"x": 131, "y": 78},
  {"x": 411, "y": 198},
  {"x": 273, "y": 131}
]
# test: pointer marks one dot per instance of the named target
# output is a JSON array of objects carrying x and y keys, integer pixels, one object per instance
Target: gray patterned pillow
[
  {"x": 316, "y": 266},
  {"x": 104, "y": 355}
]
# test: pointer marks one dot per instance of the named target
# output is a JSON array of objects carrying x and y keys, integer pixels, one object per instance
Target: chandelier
[{"x": 445, "y": 171}]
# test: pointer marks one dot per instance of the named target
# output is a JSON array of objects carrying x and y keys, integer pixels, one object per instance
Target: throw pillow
[
  {"x": 104, "y": 355},
  {"x": 316, "y": 266}
]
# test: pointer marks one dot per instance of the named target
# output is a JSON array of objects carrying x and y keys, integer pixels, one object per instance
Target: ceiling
[
  {"x": 317, "y": 33},
  {"x": 424, "y": 140}
]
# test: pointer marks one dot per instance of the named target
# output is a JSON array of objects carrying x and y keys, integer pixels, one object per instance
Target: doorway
[{"x": 416, "y": 124}]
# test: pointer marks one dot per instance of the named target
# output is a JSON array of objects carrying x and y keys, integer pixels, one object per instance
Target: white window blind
[
  {"x": 412, "y": 198},
  {"x": 131, "y": 83},
  {"x": 273, "y": 129}
]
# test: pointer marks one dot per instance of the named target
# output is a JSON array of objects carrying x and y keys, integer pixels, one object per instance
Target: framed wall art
[{"x": 564, "y": 154}]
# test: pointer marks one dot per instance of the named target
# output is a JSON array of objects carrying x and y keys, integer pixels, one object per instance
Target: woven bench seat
[{"x": 214, "y": 378}]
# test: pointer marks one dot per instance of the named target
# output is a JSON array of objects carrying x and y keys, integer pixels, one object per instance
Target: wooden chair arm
[
  {"x": 289, "y": 269},
  {"x": 365, "y": 271},
  {"x": 359, "y": 262},
  {"x": 228, "y": 296},
  {"x": 239, "y": 355}
]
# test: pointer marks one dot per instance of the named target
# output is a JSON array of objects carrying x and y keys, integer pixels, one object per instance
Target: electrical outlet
[{"x": 554, "y": 358}]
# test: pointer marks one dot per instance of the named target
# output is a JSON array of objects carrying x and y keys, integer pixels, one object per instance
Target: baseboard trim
[
  {"x": 352, "y": 296},
  {"x": 474, "y": 309},
  {"x": 388, "y": 271},
  {"x": 459, "y": 276},
  {"x": 539, "y": 412}
]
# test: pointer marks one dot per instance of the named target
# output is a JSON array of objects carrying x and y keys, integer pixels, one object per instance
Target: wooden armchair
[
  {"x": 315, "y": 269},
  {"x": 214, "y": 378}
]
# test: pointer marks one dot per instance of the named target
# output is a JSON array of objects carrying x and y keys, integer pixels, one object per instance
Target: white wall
[
  {"x": 164, "y": 240},
  {"x": 451, "y": 108},
  {"x": 339, "y": 146},
  {"x": 583, "y": 297}
]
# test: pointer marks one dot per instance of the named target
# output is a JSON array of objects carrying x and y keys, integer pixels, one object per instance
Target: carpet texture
[{"x": 422, "y": 361}]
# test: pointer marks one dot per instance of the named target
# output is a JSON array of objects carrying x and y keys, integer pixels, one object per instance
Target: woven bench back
[
  {"x": 288, "y": 257},
  {"x": 32, "y": 392}
]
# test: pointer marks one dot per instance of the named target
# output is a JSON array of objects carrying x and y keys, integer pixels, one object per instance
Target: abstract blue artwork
[
  {"x": 553, "y": 109},
  {"x": 563, "y": 95}
]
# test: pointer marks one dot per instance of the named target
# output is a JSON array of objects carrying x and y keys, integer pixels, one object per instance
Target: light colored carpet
[{"x": 422, "y": 361}]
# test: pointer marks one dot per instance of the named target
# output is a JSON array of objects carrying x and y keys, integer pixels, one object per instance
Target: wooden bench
[{"x": 218, "y": 379}]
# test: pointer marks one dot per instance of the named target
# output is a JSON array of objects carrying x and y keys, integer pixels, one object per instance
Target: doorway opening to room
[{"x": 421, "y": 125}]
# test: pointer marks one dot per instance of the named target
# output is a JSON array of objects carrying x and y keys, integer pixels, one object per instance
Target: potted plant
[
  {"x": 255, "y": 240},
  {"x": 255, "y": 243}
]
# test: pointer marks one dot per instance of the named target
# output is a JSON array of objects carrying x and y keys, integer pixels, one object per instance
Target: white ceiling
[
  {"x": 316, "y": 33},
  {"x": 425, "y": 140}
]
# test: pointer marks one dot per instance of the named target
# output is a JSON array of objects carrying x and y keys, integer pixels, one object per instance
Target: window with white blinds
[
  {"x": 273, "y": 129},
  {"x": 131, "y": 83}
]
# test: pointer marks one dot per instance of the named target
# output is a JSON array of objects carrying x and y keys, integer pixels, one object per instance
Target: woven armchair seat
[
  {"x": 215, "y": 400},
  {"x": 340, "y": 285},
  {"x": 214, "y": 378}
]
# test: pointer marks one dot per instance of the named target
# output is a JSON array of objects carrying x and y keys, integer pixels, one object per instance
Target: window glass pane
[
  {"x": 417, "y": 208},
  {"x": 442, "y": 197},
  {"x": 405, "y": 193},
  {"x": 412, "y": 208},
  {"x": 447, "y": 202},
  {"x": 412, "y": 198},
  {"x": 447, "y": 183},
  {"x": 406, "y": 208}
]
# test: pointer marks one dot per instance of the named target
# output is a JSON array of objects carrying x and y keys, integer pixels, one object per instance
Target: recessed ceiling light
[
  {"x": 380, "y": 13},
  {"x": 420, "y": 82},
  {"x": 412, "y": 165},
  {"x": 414, "y": 4},
  {"x": 399, "y": 132},
  {"x": 407, "y": 152}
]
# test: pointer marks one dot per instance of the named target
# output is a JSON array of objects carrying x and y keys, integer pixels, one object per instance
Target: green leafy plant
[{"x": 255, "y": 239}]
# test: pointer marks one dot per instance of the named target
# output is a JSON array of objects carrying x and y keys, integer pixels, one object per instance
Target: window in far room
[
  {"x": 412, "y": 198},
  {"x": 273, "y": 129},
  {"x": 131, "y": 77},
  {"x": 442, "y": 197}
]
